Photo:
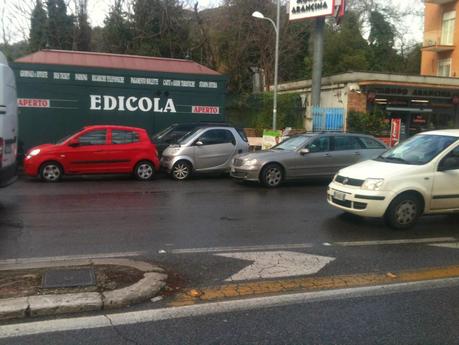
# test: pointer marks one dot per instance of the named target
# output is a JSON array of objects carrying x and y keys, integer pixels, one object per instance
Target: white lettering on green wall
[{"x": 121, "y": 103}]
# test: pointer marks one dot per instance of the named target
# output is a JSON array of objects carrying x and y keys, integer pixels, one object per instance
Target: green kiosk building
[{"x": 59, "y": 92}]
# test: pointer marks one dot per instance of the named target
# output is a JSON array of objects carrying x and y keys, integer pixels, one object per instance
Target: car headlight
[
  {"x": 250, "y": 162},
  {"x": 372, "y": 183},
  {"x": 33, "y": 153}
]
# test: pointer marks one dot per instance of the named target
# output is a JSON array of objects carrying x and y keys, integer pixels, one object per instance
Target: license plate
[{"x": 339, "y": 195}]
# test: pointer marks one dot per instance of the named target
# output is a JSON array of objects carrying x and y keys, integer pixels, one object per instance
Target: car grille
[
  {"x": 238, "y": 162},
  {"x": 349, "y": 181},
  {"x": 349, "y": 204}
]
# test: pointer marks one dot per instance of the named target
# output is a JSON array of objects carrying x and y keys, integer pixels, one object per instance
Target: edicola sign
[{"x": 303, "y": 9}]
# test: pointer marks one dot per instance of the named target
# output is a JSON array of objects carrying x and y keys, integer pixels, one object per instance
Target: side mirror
[
  {"x": 304, "y": 152},
  {"x": 199, "y": 143},
  {"x": 74, "y": 143}
]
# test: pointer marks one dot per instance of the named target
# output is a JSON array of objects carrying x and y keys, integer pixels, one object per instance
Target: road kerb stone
[
  {"x": 64, "y": 303},
  {"x": 139, "y": 265},
  {"x": 143, "y": 290},
  {"x": 13, "y": 308},
  {"x": 45, "y": 264}
]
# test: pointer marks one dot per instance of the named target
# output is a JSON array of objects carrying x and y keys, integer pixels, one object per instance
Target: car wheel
[
  {"x": 404, "y": 211},
  {"x": 144, "y": 171},
  {"x": 51, "y": 172},
  {"x": 272, "y": 175},
  {"x": 181, "y": 170}
]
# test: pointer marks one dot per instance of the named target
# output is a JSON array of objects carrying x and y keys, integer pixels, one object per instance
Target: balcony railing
[
  {"x": 439, "y": 2},
  {"x": 433, "y": 42}
]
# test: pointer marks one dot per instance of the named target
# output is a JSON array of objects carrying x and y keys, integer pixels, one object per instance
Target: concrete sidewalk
[{"x": 153, "y": 280}]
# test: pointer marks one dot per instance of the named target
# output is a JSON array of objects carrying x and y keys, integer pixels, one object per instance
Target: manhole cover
[{"x": 68, "y": 278}]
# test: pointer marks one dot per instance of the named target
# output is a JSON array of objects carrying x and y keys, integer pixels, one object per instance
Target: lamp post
[{"x": 259, "y": 15}]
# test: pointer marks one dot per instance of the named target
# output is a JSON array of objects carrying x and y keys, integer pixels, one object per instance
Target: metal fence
[{"x": 328, "y": 119}]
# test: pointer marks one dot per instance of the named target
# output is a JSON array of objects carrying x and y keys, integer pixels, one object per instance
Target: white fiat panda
[{"x": 419, "y": 176}]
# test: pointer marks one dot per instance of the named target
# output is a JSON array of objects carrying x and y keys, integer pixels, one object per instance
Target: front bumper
[
  {"x": 245, "y": 174},
  {"x": 167, "y": 163},
  {"x": 358, "y": 201}
]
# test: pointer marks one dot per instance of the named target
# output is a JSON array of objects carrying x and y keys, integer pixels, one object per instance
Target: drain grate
[{"x": 66, "y": 278}]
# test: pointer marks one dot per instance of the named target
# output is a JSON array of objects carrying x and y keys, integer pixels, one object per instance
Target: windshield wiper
[{"x": 395, "y": 159}]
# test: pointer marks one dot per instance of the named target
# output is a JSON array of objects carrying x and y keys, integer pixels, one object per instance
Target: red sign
[
  {"x": 33, "y": 103},
  {"x": 395, "y": 126},
  {"x": 205, "y": 109}
]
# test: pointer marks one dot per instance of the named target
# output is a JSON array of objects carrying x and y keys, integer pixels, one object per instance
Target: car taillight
[{"x": 1, "y": 151}]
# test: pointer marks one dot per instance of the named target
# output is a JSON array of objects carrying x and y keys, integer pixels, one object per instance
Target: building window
[
  {"x": 447, "y": 29},
  {"x": 444, "y": 68}
]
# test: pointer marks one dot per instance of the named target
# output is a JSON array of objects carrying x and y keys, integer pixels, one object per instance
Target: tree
[
  {"x": 38, "y": 28},
  {"x": 82, "y": 40},
  {"x": 345, "y": 49},
  {"x": 60, "y": 25},
  {"x": 117, "y": 34},
  {"x": 161, "y": 28}
]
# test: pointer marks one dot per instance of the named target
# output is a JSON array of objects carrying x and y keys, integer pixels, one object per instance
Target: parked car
[
  {"x": 8, "y": 124},
  {"x": 95, "y": 150},
  {"x": 419, "y": 176},
  {"x": 206, "y": 149},
  {"x": 172, "y": 134},
  {"x": 304, "y": 156}
]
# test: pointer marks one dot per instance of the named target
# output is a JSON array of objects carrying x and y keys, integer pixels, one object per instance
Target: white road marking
[
  {"x": 401, "y": 241},
  {"x": 241, "y": 248},
  {"x": 70, "y": 257},
  {"x": 454, "y": 245},
  {"x": 152, "y": 315},
  {"x": 276, "y": 264}
]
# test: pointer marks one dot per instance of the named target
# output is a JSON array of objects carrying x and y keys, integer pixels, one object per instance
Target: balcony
[
  {"x": 438, "y": 2},
  {"x": 433, "y": 42}
]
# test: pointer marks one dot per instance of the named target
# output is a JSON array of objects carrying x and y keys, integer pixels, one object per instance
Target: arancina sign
[{"x": 303, "y": 9}]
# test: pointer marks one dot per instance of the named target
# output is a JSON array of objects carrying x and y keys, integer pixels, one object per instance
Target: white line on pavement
[
  {"x": 69, "y": 257},
  {"x": 152, "y": 315},
  {"x": 401, "y": 241},
  {"x": 241, "y": 248},
  {"x": 454, "y": 245}
]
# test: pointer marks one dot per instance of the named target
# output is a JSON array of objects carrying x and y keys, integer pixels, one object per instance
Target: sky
[{"x": 17, "y": 29}]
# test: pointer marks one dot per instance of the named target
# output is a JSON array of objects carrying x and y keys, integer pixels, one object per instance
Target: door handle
[
  {"x": 357, "y": 153},
  {"x": 239, "y": 151},
  {"x": 327, "y": 155}
]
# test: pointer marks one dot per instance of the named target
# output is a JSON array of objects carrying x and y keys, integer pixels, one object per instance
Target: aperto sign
[{"x": 303, "y": 9}]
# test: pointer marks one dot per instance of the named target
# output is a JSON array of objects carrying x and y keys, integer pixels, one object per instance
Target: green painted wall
[{"x": 55, "y": 100}]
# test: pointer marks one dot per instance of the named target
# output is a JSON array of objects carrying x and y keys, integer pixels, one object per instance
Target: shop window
[
  {"x": 447, "y": 28},
  {"x": 444, "y": 68}
]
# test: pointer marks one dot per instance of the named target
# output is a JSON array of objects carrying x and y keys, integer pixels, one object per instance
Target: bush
[
  {"x": 256, "y": 111},
  {"x": 374, "y": 123}
]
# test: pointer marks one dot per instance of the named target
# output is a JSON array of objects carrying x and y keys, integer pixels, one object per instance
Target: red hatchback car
[{"x": 95, "y": 150}]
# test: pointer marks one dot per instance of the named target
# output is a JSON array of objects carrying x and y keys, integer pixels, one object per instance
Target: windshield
[
  {"x": 163, "y": 132},
  {"x": 292, "y": 144},
  {"x": 184, "y": 138},
  {"x": 417, "y": 150},
  {"x": 60, "y": 141}
]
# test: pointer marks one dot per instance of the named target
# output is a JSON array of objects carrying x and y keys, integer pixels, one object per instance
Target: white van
[
  {"x": 419, "y": 176},
  {"x": 8, "y": 124}
]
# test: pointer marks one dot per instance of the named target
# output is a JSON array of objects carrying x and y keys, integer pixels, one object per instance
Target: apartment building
[{"x": 440, "y": 52}]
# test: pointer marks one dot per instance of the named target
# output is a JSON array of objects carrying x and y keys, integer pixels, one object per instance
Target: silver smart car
[
  {"x": 303, "y": 156},
  {"x": 206, "y": 149}
]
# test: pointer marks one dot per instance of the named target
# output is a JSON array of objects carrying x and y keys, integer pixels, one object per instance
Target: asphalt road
[{"x": 183, "y": 225}]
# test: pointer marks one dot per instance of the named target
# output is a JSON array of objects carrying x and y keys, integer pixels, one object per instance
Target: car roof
[
  {"x": 128, "y": 128},
  {"x": 449, "y": 132}
]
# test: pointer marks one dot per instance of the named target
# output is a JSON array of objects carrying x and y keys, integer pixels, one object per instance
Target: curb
[{"x": 154, "y": 279}]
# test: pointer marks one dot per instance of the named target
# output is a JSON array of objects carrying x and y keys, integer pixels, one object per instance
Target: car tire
[
  {"x": 181, "y": 170},
  {"x": 51, "y": 172},
  {"x": 272, "y": 175},
  {"x": 144, "y": 171},
  {"x": 404, "y": 211}
]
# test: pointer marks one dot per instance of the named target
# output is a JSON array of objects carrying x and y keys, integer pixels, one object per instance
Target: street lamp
[{"x": 260, "y": 15}]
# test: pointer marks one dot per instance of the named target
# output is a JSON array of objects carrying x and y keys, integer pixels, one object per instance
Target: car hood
[
  {"x": 264, "y": 154},
  {"x": 377, "y": 169},
  {"x": 44, "y": 147}
]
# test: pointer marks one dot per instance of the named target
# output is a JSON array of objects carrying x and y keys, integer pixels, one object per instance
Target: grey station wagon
[
  {"x": 207, "y": 149},
  {"x": 306, "y": 155}
]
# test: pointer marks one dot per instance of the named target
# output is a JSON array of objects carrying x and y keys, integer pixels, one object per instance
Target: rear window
[
  {"x": 371, "y": 143},
  {"x": 124, "y": 137}
]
